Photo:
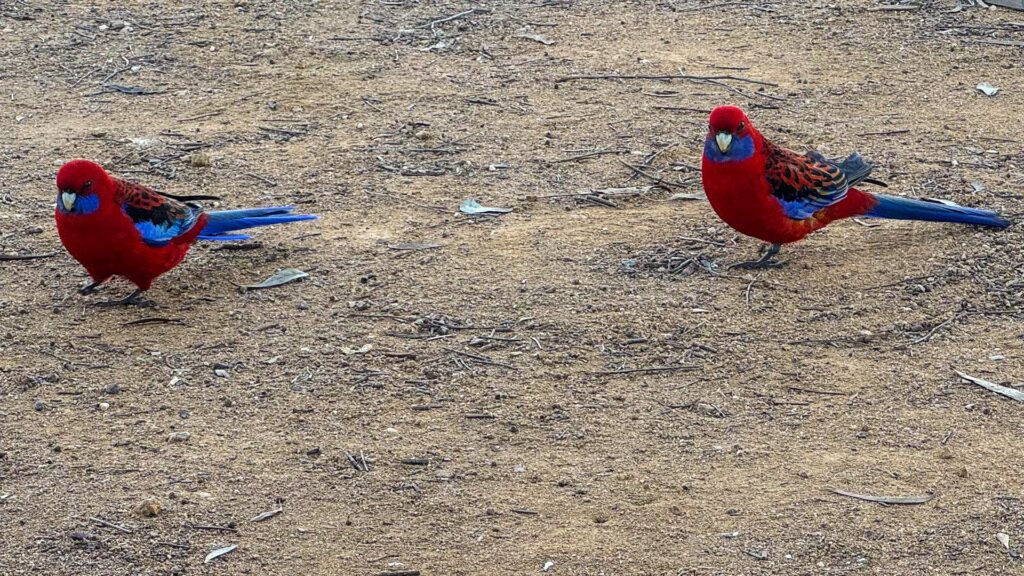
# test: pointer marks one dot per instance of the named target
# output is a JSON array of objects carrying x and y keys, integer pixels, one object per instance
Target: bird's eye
[
  {"x": 87, "y": 186},
  {"x": 741, "y": 126}
]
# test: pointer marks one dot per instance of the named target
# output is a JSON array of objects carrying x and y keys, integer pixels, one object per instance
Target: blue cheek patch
[
  {"x": 83, "y": 204},
  {"x": 742, "y": 149}
]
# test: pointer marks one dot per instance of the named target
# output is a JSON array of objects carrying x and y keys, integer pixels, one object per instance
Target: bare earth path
[{"x": 568, "y": 383}]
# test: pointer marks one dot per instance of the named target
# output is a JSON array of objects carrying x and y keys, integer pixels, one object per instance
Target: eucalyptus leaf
[
  {"x": 267, "y": 515},
  {"x": 987, "y": 89},
  {"x": 219, "y": 552},
  {"x": 281, "y": 277},
  {"x": 473, "y": 208}
]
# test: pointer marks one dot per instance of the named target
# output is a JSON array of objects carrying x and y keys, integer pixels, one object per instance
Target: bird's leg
[
  {"x": 764, "y": 262},
  {"x": 90, "y": 288},
  {"x": 132, "y": 299}
]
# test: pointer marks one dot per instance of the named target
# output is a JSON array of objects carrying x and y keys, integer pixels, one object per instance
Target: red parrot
[
  {"x": 776, "y": 195},
  {"x": 113, "y": 227}
]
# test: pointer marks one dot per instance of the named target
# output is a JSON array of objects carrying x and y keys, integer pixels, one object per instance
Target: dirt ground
[{"x": 581, "y": 386}]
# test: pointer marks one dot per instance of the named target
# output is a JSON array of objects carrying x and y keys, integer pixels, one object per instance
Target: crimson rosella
[
  {"x": 113, "y": 227},
  {"x": 776, "y": 195}
]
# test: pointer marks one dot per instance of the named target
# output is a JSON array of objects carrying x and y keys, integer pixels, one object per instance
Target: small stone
[
  {"x": 149, "y": 508},
  {"x": 179, "y": 437},
  {"x": 272, "y": 104},
  {"x": 112, "y": 389},
  {"x": 600, "y": 519},
  {"x": 40, "y": 406},
  {"x": 82, "y": 536},
  {"x": 199, "y": 160},
  {"x": 184, "y": 414},
  {"x": 104, "y": 406}
]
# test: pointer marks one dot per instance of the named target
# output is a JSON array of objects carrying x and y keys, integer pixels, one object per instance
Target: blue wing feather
[
  {"x": 161, "y": 233},
  {"x": 158, "y": 219}
]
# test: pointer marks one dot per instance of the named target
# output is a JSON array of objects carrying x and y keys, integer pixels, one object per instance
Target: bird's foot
[
  {"x": 133, "y": 299},
  {"x": 761, "y": 264},
  {"x": 89, "y": 288},
  {"x": 766, "y": 260}
]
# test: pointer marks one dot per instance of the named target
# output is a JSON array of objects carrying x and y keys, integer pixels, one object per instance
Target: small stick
[
  {"x": 103, "y": 522},
  {"x": 4, "y": 257},
  {"x": 213, "y": 528},
  {"x": 886, "y": 132},
  {"x": 657, "y": 179},
  {"x": 266, "y": 181},
  {"x": 480, "y": 359},
  {"x": 948, "y": 436},
  {"x": 433, "y": 23},
  {"x": 812, "y": 391},
  {"x": 663, "y": 77},
  {"x": 750, "y": 287},
  {"x": 641, "y": 370},
  {"x": 589, "y": 155},
  {"x": 154, "y": 321},
  {"x": 932, "y": 332}
]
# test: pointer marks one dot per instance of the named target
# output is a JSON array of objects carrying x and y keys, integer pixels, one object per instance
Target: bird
[
  {"x": 779, "y": 196},
  {"x": 113, "y": 227}
]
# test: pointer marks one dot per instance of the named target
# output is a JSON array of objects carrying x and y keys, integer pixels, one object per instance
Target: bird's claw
[
  {"x": 757, "y": 265},
  {"x": 89, "y": 288},
  {"x": 766, "y": 260},
  {"x": 132, "y": 299}
]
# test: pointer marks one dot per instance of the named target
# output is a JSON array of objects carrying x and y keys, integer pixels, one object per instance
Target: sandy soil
[{"x": 574, "y": 385}]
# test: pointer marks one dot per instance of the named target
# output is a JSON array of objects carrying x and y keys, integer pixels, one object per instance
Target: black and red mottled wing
[
  {"x": 159, "y": 219},
  {"x": 804, "y": 184}
]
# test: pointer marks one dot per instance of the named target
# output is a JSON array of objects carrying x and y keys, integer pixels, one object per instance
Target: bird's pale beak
[
  {"x": 68, "y": 200},
  {"x": 724, "y": 141}
]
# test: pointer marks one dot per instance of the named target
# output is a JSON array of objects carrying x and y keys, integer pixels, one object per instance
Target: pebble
[
  {"x": 199, "y": 160},
  {"x": 179, "y": 437},
  {"x": 149, "y": 508},
  {"x": 40, "y": 406},
  {"x": 112, "y": 389},
  {"x": 104, "y": 406}
]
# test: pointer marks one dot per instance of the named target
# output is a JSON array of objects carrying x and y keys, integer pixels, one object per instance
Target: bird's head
[
  {"x": 730, "y": 135},
  {"x": 81, "y": 185}
]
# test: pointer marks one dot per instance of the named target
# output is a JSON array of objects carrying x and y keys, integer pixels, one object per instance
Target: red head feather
[
  {"x": 729, "y": 119},
  {"x": 84, "y": 177}
]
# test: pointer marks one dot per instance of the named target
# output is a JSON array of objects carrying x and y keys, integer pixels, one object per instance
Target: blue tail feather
[
  {"x": 224, "y": 221},
  {"x": 896, "y": 208}
]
